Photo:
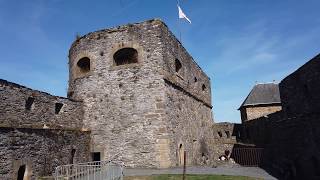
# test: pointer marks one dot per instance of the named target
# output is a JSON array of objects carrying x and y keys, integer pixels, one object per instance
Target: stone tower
[{"x": 145, "y": 99}]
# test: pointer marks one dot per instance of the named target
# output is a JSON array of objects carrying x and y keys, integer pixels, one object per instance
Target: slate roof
[{"x": 262, "y": 94}]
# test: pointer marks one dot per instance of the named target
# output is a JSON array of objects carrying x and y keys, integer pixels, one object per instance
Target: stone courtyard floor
[{"x": 235, "y": 171}]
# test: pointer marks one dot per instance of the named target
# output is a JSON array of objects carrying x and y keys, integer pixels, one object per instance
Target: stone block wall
[
  {"x": 40, "y": 150},
  {"x": 38, "y": 135},
  {"x": 137, "y": 112},
  {"x": 254, "y": 112},
  {"x": 42, "y": 111},
  {"x": 225, "y": 135}
]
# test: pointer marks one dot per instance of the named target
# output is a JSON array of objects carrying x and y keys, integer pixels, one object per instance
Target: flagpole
[{"x": 179, "y": 28}]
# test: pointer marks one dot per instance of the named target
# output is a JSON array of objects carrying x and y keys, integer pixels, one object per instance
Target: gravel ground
[{"x": 236, "y": 171}]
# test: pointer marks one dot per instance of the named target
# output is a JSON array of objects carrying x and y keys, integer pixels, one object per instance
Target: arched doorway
[{"x": 21, "y": 172}]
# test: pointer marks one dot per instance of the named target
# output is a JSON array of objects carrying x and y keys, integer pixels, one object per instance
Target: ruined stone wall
[
  {"x": 41, "y": 150},
  {"x": 34, "y": 133},
  {"x": 225, "y": 135},
  {"x": 304, "y": 86},
  {"x": 129, "y": 107},
  {"x": 254, "y": 112},
  {"x": 13, "y": 111}
]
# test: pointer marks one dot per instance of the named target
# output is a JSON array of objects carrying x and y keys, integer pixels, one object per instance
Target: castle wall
[
  {"x": 291, "y": 136},
  {"x": 187, "y": 104},
  {"x": 41, "y": 150},
  {"x": 304, "y": 86},
  {"x": 42, "y": 113},
  {"x": 225, "y": 135},
  {"x": 36, "y": 134}
]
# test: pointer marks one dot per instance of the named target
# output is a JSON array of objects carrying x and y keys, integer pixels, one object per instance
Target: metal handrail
[{"x": 96, "y": 170}]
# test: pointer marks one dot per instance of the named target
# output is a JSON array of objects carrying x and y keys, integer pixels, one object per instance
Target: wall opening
[
  {"x": 204, "y": 87},
  {"x": 125, "y": 56},
  {"x": 73, "y": 152},
  {"x": 227, "y": 134},
  {"x": 21, "y": 172},
  {"x": 181, "y": 158},
  {"x": 58, "y": 107},
  {"x": 178, "y": 65},
  {"x": 29, "y": 103},
  {"x": 220, "y": 134},
  {"x": 84, "y": 65},
  {"x": 96, "y": 156},
  {"x": 195, "y": 79}
]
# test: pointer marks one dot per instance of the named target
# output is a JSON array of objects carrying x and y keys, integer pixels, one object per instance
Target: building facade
[{"x": 262, "y": 100}]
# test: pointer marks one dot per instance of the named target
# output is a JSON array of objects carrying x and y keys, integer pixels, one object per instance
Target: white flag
[{"x": 182, "y": 15}]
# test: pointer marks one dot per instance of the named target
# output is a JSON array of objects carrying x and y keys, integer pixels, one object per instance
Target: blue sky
[{"x": 236, "y": 42}]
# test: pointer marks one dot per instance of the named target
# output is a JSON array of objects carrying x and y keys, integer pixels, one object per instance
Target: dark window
[
  {"x": 29, "y": 103},
  {"x": 204, "y": 87},
  {"x": 178, "y": 65},
  {"x": 195, "y": 79},
  {"x": 220, "y": 134},
  {"x": 73, "y": 152},
  {"x": 96, "y": 156},
  {"x": 84, "y": 64},
  {"x": 21, "y": 172},
  {"x": 227, "y": 134},
  {"x": 125, "y": 56},
  {"x": 58, "y": 107}
]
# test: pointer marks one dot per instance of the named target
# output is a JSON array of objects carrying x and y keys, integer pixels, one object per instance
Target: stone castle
[{"x": 136, "y": 96}]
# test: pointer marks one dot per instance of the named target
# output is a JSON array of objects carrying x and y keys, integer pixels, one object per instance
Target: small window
[
  {"x": 29, "y": 103},
  {"x": 204, "y": 87},
  {"x": 227, "y": 134},
  {"x": 178, "y": 65},
  {"x": 220, "y": 134},
  {"x": 195, "y": 79},
  {"x": 125, "y": 56},
  {"x": 58, "y": 107},
  {"x": 96, "y": 156},
  {"x": 84, "y": 64}
]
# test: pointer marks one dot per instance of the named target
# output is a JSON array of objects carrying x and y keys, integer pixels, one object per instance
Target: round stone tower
[{"x": 121, "y": 75}]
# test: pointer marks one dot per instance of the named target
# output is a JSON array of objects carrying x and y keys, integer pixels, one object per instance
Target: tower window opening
[
  {"x": 96, "y": 156},
  {"x": 125, "y": 56},
  {"x": 227, "y": 134},
  {"x": 204, "y": 87},
  {"x": 58, "y": 107},
  {"x": 84, "y": 64},
  {"x": 29, "y": 103},
  {"x": 220, "y": 134},
  {"x": 178, "y": 65}
]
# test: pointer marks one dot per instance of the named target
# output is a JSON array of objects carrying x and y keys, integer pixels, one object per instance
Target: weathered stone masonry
[
  {"x": 148, "y": 110},
  {"x": 37, "y": 133}
]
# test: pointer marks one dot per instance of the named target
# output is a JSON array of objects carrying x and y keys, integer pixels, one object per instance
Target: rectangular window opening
[
  {"x": 58, "y": 107},
  {"x": 96, "y": 156},
  {"x": 29, "y": 103}
]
